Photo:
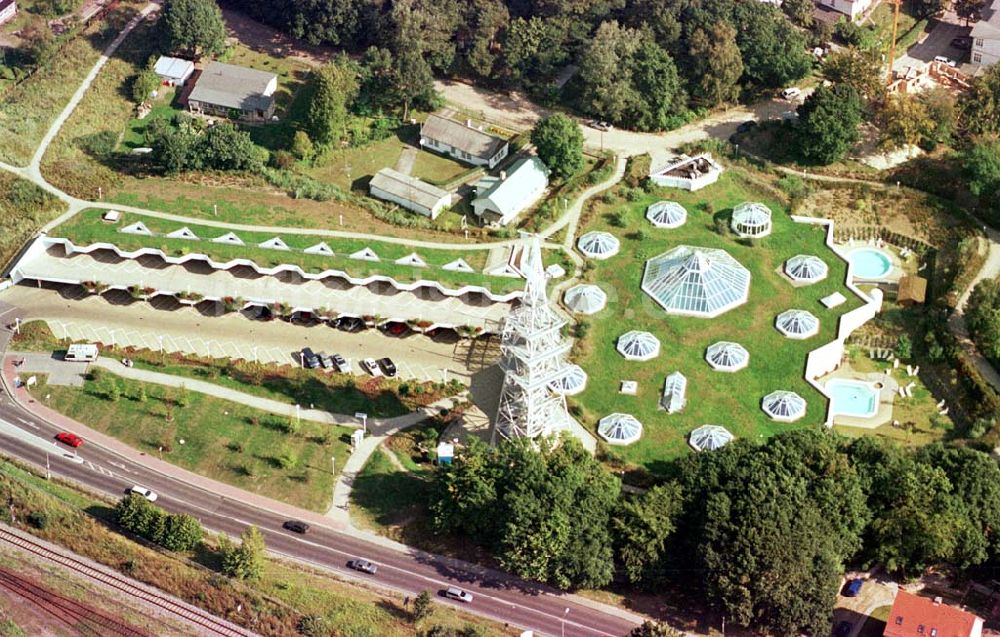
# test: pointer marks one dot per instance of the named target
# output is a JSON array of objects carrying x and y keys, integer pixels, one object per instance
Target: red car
[{"x": 72, "y": 440}]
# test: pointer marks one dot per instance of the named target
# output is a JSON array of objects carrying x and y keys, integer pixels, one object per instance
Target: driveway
[
  {"x": 874, "y": 594},
  {"x": 937, "y": 42}
]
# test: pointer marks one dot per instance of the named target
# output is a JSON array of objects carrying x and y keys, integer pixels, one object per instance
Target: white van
[
  {"x": 791, "y": 93},
  {"x": 82, "y": 353}
]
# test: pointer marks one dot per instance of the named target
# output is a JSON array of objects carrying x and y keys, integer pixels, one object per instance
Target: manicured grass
[
  {"x": 24, "y": 208},
  {"x": 87, "y": 227},
  {"x": 222, "y": 440},
  {"x": 164, "y": 108},
  {"x": 384, "y": 497},
  {"x": 729, "y": 399}
]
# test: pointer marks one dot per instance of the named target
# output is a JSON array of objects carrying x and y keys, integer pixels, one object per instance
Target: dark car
[
  {"x": 297, "y": 526},
  {"x": 309, "y": 358},
  {"x": 842, "y": 629},
  {"x": 67, "y": 438},
  {"x": 341, "y": 364},
  {"x": 325, "y": 360},
  {"x": 350, "y": 324},
  {"x": 853, "y": 587},
  {"x": 388, "y": 367},
  {"x": 962, "y": 43},
  {"x": 746, "y": 126},
  {"x": 363, "y": 565}
]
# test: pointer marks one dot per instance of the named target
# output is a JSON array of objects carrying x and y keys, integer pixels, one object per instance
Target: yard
[
  {"x": 257, "y": 451},
  {"x": 729, "y": 399}
]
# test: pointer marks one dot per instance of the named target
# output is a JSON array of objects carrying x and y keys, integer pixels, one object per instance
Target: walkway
[{"x": 571, "y": 218}]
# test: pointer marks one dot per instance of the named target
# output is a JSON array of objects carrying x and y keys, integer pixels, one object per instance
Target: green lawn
[
  {"x": 730, "y": 399},
  {"x": 164, "y": 108},
  {"x": 87, "y": 227},
  {"x": 222, "y": 440}
]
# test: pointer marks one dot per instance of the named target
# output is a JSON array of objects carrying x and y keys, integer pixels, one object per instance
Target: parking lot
[{"x": 163, "y": 325}]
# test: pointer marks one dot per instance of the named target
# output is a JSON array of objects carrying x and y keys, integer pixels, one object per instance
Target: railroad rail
[{"x": 203, "y": 619}]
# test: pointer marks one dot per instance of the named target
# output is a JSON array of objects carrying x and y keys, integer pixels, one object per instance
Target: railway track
[{"x": 211, "y": 624}]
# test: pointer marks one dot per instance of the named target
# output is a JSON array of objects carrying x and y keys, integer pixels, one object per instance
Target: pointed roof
[
  {"x": 229, "y": 238},
  {"x": 183, "y": 233},
  {"x": 619, "y": 429},
  {"x": 585, "y": 298},
  {"x": 274, "y": 243},
  {"x": 674, "y": 393},
  {"x": 572, "y": 382},
  {"x": 806, "y": 268},
  {"x": 784, "y": 406},
  {"x": 137, "y": 228},
  {"x": 319, "y": 248},
  {"x": 696, "y": 281},
  {"x": 797, "y": 324},
  {"x": 710, "y": 438},
  {"x": 364, "y": 254},
  {"x": 666, "y": 214},
  {"x": 638, "y": 346},
  {"x": 598, "y": 245},
  {"x": 726, "y": 356}
]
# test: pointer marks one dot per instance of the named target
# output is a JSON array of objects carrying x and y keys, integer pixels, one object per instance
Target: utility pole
[{"x": 892, "y": 48}]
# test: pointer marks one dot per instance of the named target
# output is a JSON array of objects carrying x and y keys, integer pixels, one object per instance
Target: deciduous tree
[
  {"x": 143, "y": 85},
  {"x": 245, "y": 561},
  {"x": 828, "y": 123},
  {"x": 194, "y": 27},
  {"x": 336, "y": 86},
  {"x": 716, "y": 63},
  {"x": 559, "y": 144}
]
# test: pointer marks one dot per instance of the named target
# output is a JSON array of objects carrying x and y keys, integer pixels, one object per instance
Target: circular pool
[{"x": 870, "y": 263}]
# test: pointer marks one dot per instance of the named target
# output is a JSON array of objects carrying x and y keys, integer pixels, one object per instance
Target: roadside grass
[
  {"x": 87, "y": 227},
  {"x": 223, "y": 440},
  {"x": 274, "y": 605},
  {"x": 391, "y": 501},
  {"x": 729, "y": 399},
  {"x": 24, "y": 208}
]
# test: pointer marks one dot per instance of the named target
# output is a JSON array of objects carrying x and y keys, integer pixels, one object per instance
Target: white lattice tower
[{"x": 533, "y": 355}]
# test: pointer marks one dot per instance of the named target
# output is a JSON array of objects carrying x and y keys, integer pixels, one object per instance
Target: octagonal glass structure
[
  {"x": 585, "y": 299},
  {"x": 797, "y": 324},
  {"x": 619, "y": 429},
  {"x": 692, "y": 281},
  {"x": 751, "y": 219},
  {"x": 666, "y": 214},
  {"x": 598, "y": 245},
  {"x": 805, "y": 268},
  {"x": 572, "y": 382},
  {"x": 725, "y": 356},
  {"x": 784, "y": 406},
  {"x": 638, "y": 346},
  {"x": 709, "y": 438}
]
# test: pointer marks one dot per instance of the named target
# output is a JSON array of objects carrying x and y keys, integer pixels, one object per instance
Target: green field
[
  {"x": 223, "y": 440},
  {"x": 24, "y": 208},
  {"x": 729, "y": 399}
]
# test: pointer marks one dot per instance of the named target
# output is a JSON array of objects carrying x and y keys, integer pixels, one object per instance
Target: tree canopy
[
  {"x": 559, "y": 144},
  {"x": 335, "y": 87},
  {"x": 194, "y": 27},
  {"x": 828, "y": 123}
]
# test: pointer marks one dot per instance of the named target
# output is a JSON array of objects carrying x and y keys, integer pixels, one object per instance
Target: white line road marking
[{"x": 26, "y": 422}]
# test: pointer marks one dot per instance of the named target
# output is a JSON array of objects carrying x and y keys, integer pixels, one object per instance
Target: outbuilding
[
  {"x": 499, "y": 200},
  {"x": 912, "y": 291},
  {"x": 173, "y": 71},
  {"x": 409, "y": 192}
]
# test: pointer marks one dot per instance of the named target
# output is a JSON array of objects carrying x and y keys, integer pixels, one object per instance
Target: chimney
[
  {"x": 937, "y": 601},
  {"x": 503, "y": 175},
  {"x": 468, "y": 123}
]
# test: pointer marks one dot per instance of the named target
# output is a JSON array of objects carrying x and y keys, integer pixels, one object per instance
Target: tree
[
  {"x": 302, "y": 146},
  {"x": 486, "y": 19},
  {"x": 828, "y": 123},
  {"x": 927, "y": 8},
  {"x": 225, "y": 147},
  {"x": 983, "y": 315},
  {"x": 422, "y": 606},
  {"x": 642, "y": 528},
  {"x": 136, "y": 514},
  {"x": 979, "y": 106},
  {"x": 181, "y": 532},
  {"x": 981, "y": 164},
  {"x": 941, "y": 110},
  {"x": 859, "y": 68},
  {"x": 716, "y": 63},
  {"x": 415, "y": 82},
  {"x": 661, "y": 100},
  {"x": 245, "y": 561},
  {"x": 144, "y": 84},
  {"x": 606, "y": 73},
  {"x": 559, "y": 143},
  {"x": 969, "y": 10},
  {"x": 772, "y": 49},
  {"x": 799, "y": 11},
  {"x": 194, "y": 27},
  {"x": 904, "y": 121},
  {"x": 534, "y": 48},
  {"x": 336, "y": 87},
  {"x": 653, "y": 629}
]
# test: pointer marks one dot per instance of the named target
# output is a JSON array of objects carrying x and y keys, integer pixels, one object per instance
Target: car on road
[
  {"x": 791, "y": 93},
  {"x": 67, "y": 438},
  {"x": 455, "y": 592},
  {"x": 746, "y": 127},
  {"x": 842, "y": 629},
  {"x": 945, "y": 60},
  {"x": 363, "y": 565},
  {"x": 340, "y": 364},
  {"x": 371, "y": 366},
  {"x": 297, "y": 526},
  {"x": 387, "y": 366},
  {"x": 309, "y": 358},
  {"x": 600, "y": 125},
  {"x": 144, "y": 492}
]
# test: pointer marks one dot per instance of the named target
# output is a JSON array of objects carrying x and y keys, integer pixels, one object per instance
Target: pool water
[
  {"x": 852, "y": 398},
  {"x": 870, "y": 263}
]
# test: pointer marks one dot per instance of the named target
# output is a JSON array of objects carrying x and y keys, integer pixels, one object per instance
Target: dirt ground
[{"x": 264, "y": 39}]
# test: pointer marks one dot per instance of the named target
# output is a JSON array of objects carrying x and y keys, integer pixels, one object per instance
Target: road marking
[{"x": 23, "y": 421}]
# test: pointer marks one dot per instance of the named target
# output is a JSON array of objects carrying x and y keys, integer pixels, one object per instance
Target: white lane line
[{"x": 26, "y": 422}]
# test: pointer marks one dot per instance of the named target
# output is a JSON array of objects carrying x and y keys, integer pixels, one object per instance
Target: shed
[
  {"x": 409, "y": 192},
  {"x": 445, "y": 453},
  {"x": 500, "y": 201},
  {"x": 173, "y": 71},
  {"x": 912, "y": 290}
]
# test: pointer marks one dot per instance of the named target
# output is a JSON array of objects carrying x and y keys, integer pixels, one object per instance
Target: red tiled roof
[{"x": 914, "y": 616}]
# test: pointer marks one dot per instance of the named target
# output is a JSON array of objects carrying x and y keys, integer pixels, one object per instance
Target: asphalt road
[{"x": 521, "y": 604}]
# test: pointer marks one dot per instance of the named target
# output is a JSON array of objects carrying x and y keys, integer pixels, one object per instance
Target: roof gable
[
  {"x": 914, "y": 616},
  {"x": 526, "y": 178},
  {"x": 408, "y": 188},
  {"x": 462, "y": 137}
]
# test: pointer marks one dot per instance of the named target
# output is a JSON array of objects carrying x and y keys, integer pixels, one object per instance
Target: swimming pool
[
  {"x": 852, "y": 398},
  {"x": 870, "y": 263}
]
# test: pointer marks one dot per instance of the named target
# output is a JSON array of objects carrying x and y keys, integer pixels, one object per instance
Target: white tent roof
[
  {"x": 666, "y": 214},
  {"x": 638, "y": 346},
  {"x": 750, "y": 213},
  {"x": 585, "y": 299},
  {"x": 619, "y": 429},
  {"x": 805, "y": 267},
  {"x": 598, "y": 245},
  {"x": 797, "y": 324},
  {"x": 725, "y": 356},
  {"x": 784, "y": 406},
  {"x": 710, "y": 438},
  {"x": 674, "y": 393},
  {"x": 572, "y": 382},
  {"x": 695, "y": 281}
]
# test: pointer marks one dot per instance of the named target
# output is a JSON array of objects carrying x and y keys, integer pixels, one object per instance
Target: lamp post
[
  {"x": 563, "y": 622},
  {"x": 364, "y": 421}
]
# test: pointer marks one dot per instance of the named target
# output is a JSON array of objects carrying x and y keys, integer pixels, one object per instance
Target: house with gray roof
[
  {"x": 227, "y": 90},
  {"x": 409, "y": 192},
  {"x": 986, "y": 36},
  {"x": 464, "y": 142},
  {"x": 499, "y": 200}
]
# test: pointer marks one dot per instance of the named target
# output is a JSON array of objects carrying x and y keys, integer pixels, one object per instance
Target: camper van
[{"x": 82, "y": 353}]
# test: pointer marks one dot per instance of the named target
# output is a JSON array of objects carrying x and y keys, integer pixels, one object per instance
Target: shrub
[{"x": 39, "y": 519}]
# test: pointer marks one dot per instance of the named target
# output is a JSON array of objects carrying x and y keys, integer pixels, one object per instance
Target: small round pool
[
  {"x": 870, "y": 263},
  {"x": 852, "y": 398}
]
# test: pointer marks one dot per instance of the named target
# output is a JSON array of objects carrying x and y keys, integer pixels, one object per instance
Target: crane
[{"x": 892, "y": 46}]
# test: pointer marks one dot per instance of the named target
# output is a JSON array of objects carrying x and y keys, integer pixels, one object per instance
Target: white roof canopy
[
  {"x": 797, "y": 324},
  {"x": 585, "y": 299},
  {"x": 725, "y": 356},
  {"x": 638, "y": 346},
  {"x": 710, "y": 438},
  {"x": 694, "y": 281},
  {"x": 784, "y": 406},
  {"x": 806, "y": 268},
  {"x": 619, "y": 429},
  {"x": 666, "y": 214},
  {"x": 598, "y": 245},
  {"x": 751, "y": 219},
  {"x": 572, "y": 382}
]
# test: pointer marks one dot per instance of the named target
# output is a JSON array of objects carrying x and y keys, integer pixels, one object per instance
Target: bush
[
  {"x": 39, "y": 520},
  {"x": 637, "y": 169}
]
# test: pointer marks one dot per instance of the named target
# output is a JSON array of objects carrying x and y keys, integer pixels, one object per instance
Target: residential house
[
  {"x": 409, "y": 192},
  {"x": 499, "y": 200},
  {"x": 8, "y": 9},
  {"x": 687, "y": 173},
  {"x": 986, "y": 36},
  {"x": 853, "y": 9},
  {"x": 464, "y": 142},
  {"x": 173, "y": 71},
  {"x": 913, "y": 616},
  {"x": 234, "y": 91}
]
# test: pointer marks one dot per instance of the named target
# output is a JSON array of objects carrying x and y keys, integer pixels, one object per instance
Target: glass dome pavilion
[{"x": 692, "y": 281}]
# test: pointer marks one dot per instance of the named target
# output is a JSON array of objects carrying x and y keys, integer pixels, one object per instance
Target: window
[
  {"x": 899, "y": 620},
  {"x": 920, "y": 629},
  {"x": 979, "y": 42},
  {"x": 977, "y": 57}
]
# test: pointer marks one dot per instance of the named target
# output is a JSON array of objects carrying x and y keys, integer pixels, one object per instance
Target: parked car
[
  {"x": 853, "y": 587},
  {"x": 945, "y": 60},
  {"x": 350, "y": 324},
  {"x": 363, "y": 565},
  {"x": 600, "y": 125},
  {"x": 340, "y": 364},
  {"x": 370, "y": 366},
  {"x": 395, "y": 329},
  {"x": 144, "y": 492},
  {"x": 962, "y": 43},
  {"x": 309, "y": 358},
  {"x": 67, "y": 438},
  {"x": 297, "y": 526},
  {"x": 387, "y": 366},
  {"x": 457, "y": 593},
  {"x": 325, "y": 360},
  {"x": 791, "y": 93},
  {"x": 843, "y": 629},
  {"x": 746, "y": 127}
]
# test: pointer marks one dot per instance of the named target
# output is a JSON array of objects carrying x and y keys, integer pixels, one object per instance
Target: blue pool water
[
  {"x": 852, "y": 398},
  {"x": 870, "y": 263}
]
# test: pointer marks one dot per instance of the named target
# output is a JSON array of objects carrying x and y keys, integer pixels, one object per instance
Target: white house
[
  {"x": 986, "y": 36},
  {"x": 464, "y": 142},
  {"x": 8, "y": 9},
  {"x": 499, "y": 201},
  {"x": 853, "y": 9},
  {"x": 173, "y": 71},
  {"x": 409, "y": 192},
  {"x": 687, "y": 173}
]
